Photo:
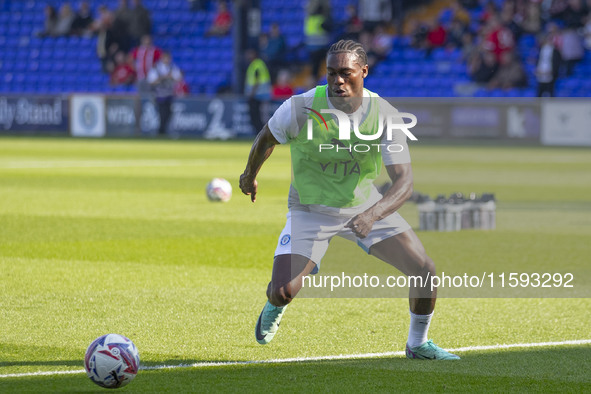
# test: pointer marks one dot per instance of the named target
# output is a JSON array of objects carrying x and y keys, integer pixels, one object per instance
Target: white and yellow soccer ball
[
  {"x": 112, "y": 361},
  {"x": 219, "y": 189}
]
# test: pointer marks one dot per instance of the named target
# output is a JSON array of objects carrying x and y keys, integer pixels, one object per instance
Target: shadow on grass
[
  {"x": 63, "y": 363},
  {"x": 548, "y": 369}
]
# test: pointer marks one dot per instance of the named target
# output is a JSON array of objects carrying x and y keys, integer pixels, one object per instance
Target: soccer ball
[
  {"x": 219, "y": 189},
  {"x": 111, "y": 361}
]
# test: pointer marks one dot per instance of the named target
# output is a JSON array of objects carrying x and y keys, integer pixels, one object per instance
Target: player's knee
[
  {"x": 429, "y": 266},
  {"x": 424, "y": 267},
  {"x": 279, "y": 295}
]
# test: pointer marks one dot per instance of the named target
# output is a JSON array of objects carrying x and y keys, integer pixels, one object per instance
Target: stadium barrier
[
  {"x": 546, "y": 121},
  {"x": 34, "y": 114}
]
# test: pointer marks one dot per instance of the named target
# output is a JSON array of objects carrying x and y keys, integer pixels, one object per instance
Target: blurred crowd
[
  {"x": 370, "y": 22},
  {"x": 486, "y": 33},
  {"x": 561, "y": 29},
  {"x": 125, "y": 46}
]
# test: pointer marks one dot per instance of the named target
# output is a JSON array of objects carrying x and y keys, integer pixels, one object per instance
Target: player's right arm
[
  {"x": 282, "y": 128},
  {"x": 261, "y": 149}
]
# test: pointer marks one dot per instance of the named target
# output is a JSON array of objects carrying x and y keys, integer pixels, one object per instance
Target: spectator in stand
[
  {"x": 380, "y": 46},
  {"x": 469, "y": 48},
  {"x": 511, "y": 19},
  {"x": 547, "y": 68},
  {"x": 106, "y": 45},
  {"x": 469, "y": 4},
  {"x": 257, "y": 86},
  {"x": 554, "y": 7},
  {"x": 418, "y": 35},
  {"x": 374, "y": 12},
  {"x": 587, "y": 33},
  {"x": 145, "y": 56},
  {"x": 313, "y": 5},
  {"x": 123, "y": 73},
  {"x": 222, "y": 22},
  {"x": 140, "y": 23},
  {"x": 436, "y": 37},
  {"x": 353, "y": 25},
  {"x": 489, "y": 10},
  {"x": 263, "y": 45},
  {"x": 365, "y": 39},
  {"x": 498, "y": 38},
  {"x": 460, "y": 14},
  {"x": 106, "y": 52},
  {"x": 275, "y": 50},
  {"x": 120, "y": 26},
  {"x": 65, "y": 19},
  {"x": 317, "y": 29},
  {"x": 532, "y": 20},
  {"x": 510, "y": 74},
  {"x": 573, "y": 14},
  {"x": 198, "y": 5},
  {"x": 105, "y": 18},
  {"x": 571, "y": 49},
  {"x": 81, "y": 26},
  {"x": 555, "y": 34},
  {"x": 455, "y": 34},
  {"x": 282, "y": 90},
  {"x": 482, "y": 67},
  {"x": 50, "y": 22},
  {"x": 163, "y": 79}
]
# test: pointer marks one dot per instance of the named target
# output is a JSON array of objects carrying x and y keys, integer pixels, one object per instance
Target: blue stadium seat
[
  {"x": 529, "y": 92},
  {"x": 57, "y": 67},
  {"x": 33, "y": 66},
  {"x": 445, "y": 16}
]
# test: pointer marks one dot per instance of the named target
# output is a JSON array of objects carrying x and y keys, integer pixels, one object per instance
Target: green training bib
[{"x": 341, "y": 176}]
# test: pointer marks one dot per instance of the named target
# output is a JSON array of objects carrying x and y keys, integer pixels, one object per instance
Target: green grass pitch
[{"x": 100, "y": 236}]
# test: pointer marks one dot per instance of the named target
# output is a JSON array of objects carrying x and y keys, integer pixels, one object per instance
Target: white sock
[{"x": 419, "y": 329}]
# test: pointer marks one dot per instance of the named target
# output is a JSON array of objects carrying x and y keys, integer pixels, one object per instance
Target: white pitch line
[
  {"x": 42, "y": 373},
  {"x": 318, "y": 358}
]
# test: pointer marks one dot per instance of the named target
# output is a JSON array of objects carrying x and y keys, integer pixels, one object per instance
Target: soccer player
[{"x": 324, "y": 202}]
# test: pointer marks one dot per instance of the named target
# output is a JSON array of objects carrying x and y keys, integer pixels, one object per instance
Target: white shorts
[{"x": 308, "y": 233}]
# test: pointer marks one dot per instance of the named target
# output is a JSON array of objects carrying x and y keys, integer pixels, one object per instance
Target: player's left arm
[{"x": 393, "y": 199}]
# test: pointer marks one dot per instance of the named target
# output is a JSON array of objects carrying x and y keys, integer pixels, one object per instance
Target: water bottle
[
  {"x": 488, "y": 211},
  {"x": 467, "y": 209},
  {"x": 476, "y": 204},
  {"x": 440, "y": 203},
  {"x": 427, "y": 218}
]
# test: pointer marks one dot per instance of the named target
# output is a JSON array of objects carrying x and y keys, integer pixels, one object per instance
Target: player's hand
[
  {"x": 361, "y": 224},
  {"x": 248, "y": 185}
]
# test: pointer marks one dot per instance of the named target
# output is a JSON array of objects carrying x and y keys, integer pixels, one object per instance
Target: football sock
[{"x": 419, "y": 329}]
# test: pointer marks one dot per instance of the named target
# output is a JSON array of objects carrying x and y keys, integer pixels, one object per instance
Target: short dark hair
[{"x": 349, "y": 46}]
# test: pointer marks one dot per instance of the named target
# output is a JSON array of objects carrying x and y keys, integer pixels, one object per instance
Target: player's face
[{"x": 345, "y": 75}]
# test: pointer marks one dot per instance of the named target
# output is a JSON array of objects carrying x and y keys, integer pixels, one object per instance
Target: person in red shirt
[
  {"x": 144, "y": 57},
  {"x": 123, "y": 74},
  {"x": 282, "y": 89},
  {"x": 436, "y": 36},
  {"x": 222, "y": 22},
  {"x": 498, "y": 38}
]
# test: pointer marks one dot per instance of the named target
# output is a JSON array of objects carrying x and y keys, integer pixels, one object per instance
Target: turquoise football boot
[
  {"x": 429, "y": 351},
  {"x": 268, "y": 323}
]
